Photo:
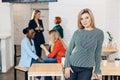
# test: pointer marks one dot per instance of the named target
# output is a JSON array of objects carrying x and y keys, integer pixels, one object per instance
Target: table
[
  {"x": 46, "y": 69},
  {"x": 107, "y": 51},
  {"x": 110, "y": 69},
  {"x": 104, "y": 50}
]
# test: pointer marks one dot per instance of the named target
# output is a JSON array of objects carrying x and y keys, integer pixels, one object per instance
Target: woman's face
[
  {"x": 37, "y": 16},
  {"x": 31, "y": 34},
  {"x": 86, "y": 20}
]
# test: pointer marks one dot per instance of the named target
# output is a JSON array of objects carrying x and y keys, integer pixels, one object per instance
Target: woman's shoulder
[
  {"x": 40, "y": 20},
  {"x": 58, "y": 42},
  {"x": 99, "y": 30},
  {"x": 23, "y": 41},
  {"x": 57, "y": 27},
  {"x": 31, "y": 21},
  {"x": 77, "y": 31}
]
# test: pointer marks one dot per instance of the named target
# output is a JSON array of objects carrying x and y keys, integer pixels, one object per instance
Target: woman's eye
[
  {"x": 87, "y": 17},
  {"x": 81, "y": 18}
]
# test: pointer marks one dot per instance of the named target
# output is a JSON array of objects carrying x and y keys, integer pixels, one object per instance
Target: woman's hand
[
  {"x": 39, "y": 59},
  {"x": 97, "y": 76},
  {"x": 67, "y": 72},
  {"x": 37, "y": 28},
  {"x": 47, "y": 53},
  {"x": 41, "y": 28}
]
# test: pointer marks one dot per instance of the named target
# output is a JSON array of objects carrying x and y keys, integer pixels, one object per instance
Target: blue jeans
[
  {"x": 80, "y": 73},
  {"x": 49, "y": 60}
]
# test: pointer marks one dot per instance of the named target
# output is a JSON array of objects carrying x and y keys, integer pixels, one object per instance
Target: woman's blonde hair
[
  {"x": 55, "y": 34},
  {"x": 86, "y": 10},
  {"x": 34, "y": 13}
]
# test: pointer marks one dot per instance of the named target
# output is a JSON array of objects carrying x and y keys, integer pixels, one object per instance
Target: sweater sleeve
[
  {"x": 98, "y": 51},
  {"x": 69, "y": 50}
]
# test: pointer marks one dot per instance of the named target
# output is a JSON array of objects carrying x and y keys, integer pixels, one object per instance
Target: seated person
[
  {"x": 57, "y": 51},
  {"x": 28, "y": 53},
  {"x": 57, "y": 48}
]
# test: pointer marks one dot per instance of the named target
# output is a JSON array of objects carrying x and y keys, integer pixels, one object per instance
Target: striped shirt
[{"x": 85, "y": 49}]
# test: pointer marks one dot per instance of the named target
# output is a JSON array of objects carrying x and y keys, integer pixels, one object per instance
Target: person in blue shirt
[{"x": 28, "y": 52}]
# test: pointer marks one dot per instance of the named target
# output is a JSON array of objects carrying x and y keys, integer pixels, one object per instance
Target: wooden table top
[
  {"x": 107, "y": 50},
  {"x": 46, "y": 69},
  {"x": 110, "y": 69},
  {"x": 55, "y": 69}
]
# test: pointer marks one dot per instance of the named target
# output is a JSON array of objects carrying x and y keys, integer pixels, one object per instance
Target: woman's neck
[
  {"x": 30, "y": 41},
  {"x": 88, "y": 28},
  {"x": 36, "y": 20},
  {"x": 57, "y": 24},
  {"x": 54, "y": 41}
]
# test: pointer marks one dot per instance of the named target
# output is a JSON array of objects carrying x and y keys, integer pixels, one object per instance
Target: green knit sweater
[{"x": 85, "y": 49}]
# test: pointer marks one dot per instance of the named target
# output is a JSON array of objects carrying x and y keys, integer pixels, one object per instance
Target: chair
[{"x": 17, "y": 49}]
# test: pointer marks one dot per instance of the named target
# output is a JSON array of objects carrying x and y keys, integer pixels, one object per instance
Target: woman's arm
[
  {"x": 56, "y": 48},
  {"x": 31, "y": 24},
  {"x": 28, "y": 51},
  {"x": 44, "y": 48},
  {"x": 69, "y": 50},
  {"x": 41, "y": 25},
  {"x": 98, "y": 52}
]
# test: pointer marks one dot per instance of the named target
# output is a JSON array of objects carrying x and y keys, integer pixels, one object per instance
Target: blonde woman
[
  {"x": 87, "y": 42},
  {"x": 57, "y": 48},
  {"x": 37, "y": 25}
]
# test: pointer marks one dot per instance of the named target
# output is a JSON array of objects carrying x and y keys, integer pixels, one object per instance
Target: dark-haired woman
[
  {"x": 37, "y": 25},
  {"x": 28, "y": 52}
]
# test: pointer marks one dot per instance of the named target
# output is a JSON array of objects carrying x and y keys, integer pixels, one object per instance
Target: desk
[
  {"x": 110, "y": 69},
  {"x": 52, "y": 69}
]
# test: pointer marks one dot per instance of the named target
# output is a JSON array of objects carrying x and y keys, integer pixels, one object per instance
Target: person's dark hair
[{"x": 26, "y": 30}]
